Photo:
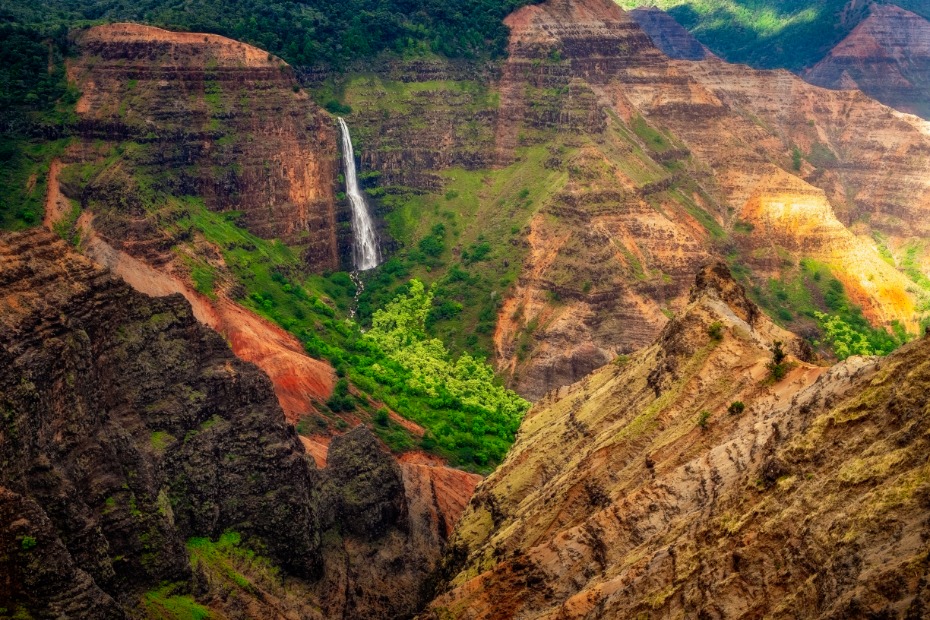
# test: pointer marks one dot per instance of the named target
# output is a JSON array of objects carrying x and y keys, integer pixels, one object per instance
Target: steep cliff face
[
  {"x": 887, "y": 56},
  {"x": 689, "y": 479},
  {"x": 128, "y": 423},
  {"x": 667, "y": 154},
  {"x": 790, "y": 217},
  {"x": 137, "y": 451},
  {"x": 209, "y": 117}
]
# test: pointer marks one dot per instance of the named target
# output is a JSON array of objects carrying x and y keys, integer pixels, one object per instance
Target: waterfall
[{"x": 365, "y": 253}]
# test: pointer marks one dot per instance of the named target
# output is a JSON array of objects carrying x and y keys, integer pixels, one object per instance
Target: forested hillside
[
  {"x": 791, "y": 34},
  {"x": 303, "y": 33}
]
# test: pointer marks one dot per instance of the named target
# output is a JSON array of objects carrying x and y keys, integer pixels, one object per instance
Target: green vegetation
[
  {"x": 715, "y": 330},
  {"x": 167, "y": 603},
  {"x": 228, "y": 559},
  {"x": 35, "y": 105},
  {"x": 160, "y": 440},
  {"x": 398, "y": 363},
  {"x": 812, "y": 302},
  {"x": 307, "y": 32},
  {"x": 767, "y": 33},
  {"x": 778, "y": 368},
  {"x": 466, "y": 410},
  {"x": 703, "y": 420},
  {"x": 796, "y": 158},
  {"x": 27, "y": 543},
  {"x": 736, "y": 407}
]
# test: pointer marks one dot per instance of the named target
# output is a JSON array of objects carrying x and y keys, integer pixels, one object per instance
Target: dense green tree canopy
[{"x": 303, "y": 32}]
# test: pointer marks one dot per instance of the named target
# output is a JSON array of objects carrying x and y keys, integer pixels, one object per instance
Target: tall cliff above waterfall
[{"x": 209, "y": 117}]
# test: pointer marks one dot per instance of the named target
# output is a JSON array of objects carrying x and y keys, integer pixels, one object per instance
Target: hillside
[
  {"x": 566, "y": 219},
  {"x": 886, "y": 56},
  {"x": 316, "y": 32},
  {"x": 770, "y": 34},
  {"x": 692, "y": 478},
  {"x": 144, "y": 466}
]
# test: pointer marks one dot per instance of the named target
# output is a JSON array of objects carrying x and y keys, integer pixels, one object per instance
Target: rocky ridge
[
  {"x": 643, "y": 490},
  {"x": 131, "y": 430}
]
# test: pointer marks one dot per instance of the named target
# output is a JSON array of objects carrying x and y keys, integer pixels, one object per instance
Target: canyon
[
  {"x": 687, "y": 479},
  {"x": 132, "y": 434},
  {"x": 624, "y": 225}
]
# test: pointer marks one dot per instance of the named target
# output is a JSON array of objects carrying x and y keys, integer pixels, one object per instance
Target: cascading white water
[{"x": 365, "y": 252}]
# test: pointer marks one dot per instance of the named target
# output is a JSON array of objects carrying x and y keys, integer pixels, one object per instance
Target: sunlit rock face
[
  {"x": 887, "y": 56},
  {"x": 790, "y": 215},
  {"x": 613, "y": 252},
  {"x": 637, "y": 493}
]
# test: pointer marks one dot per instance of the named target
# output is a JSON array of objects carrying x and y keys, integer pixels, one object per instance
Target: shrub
[
  {"x": 736, "y": 407},
  {"x": 341, "y": 400},
  {"x": 715, "y": 330},
  {"x": 382, "y": 417},
  {"x": 777, "y": 367},
  {"x": 703, "y": 420}
]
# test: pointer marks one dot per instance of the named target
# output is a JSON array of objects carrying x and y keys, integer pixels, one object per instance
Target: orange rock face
[
  {"x": 228, "y": 123},
  {"x": 790, "y": 215},
  {"x": 671, "y": 151}
]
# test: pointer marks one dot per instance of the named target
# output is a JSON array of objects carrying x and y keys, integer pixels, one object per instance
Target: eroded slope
[{"x": 643, "y": 491}]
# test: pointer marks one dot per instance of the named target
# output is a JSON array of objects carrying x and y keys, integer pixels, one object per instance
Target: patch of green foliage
[
  {"x": 34, "y": 101},
  {"x": 166, "y": 603},
  {"x": 307, "y": 32},
  {"x": 768, "y": 33},
  {"x": 736, "y": 407},
  {"x": 811, "y": 297},
  {"x": 160, "y": 440},
  {"x": 778, "y": 368},
  {"x": 27, "y": 543},
  {"x": 703, "y": 420},
  {"x": 229, "y": 559},
  {"x": 468, "y": 417}
]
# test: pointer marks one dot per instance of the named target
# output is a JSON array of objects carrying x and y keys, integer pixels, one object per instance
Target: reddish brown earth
[
  {"x": 662, "y": 152},
  {"x": 226, "y": 122},
  {"x": 635, "y": 493},
  {"x": 887, "y": 56}
]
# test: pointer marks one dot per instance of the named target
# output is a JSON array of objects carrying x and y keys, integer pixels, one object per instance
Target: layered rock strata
[{"x": 688, "y": 480}]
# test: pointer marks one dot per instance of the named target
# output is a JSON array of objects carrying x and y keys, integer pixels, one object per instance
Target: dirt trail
[{"x": 56, "y": 205}]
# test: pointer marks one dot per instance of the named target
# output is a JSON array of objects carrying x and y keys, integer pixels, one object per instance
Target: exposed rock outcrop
[
  {"x": 886, "y": 56},
  {"x": 644, "y": 490},
  {"x": 672, "y": 152},
  {"x": 789, "y": 216},
  {"x": 128, "y": 423},
  {"x": 129, "y": 429},
  {"x": 213, "y": 118}
]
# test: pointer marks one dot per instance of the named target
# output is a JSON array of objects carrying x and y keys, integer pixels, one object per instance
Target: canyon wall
[
  {"x": 671, "y": 151},
  {"x": 133, "y": 436},
  {"x": 690, "y": 479},
  {"x": 207, "y": 117}
]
